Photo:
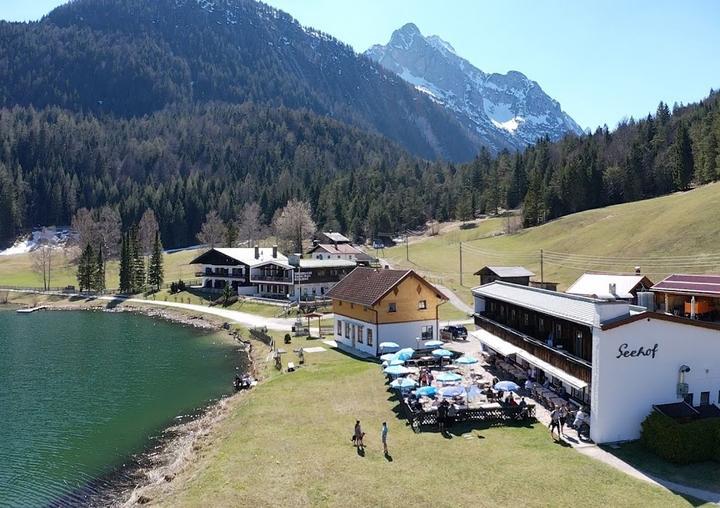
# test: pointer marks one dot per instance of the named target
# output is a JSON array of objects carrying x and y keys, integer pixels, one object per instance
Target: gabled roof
[
  {"x": 598, "y": 285},
  {"x": 336, "y": 237},
  {"x": 244, "y": 255},
  {"x": 367, "y": 286},
  {"x": 579, "y": 309},
  {"x": 708, "y": 285},
  {"x": 505, "y": 271},
  {"x": 341, "y": 248},
  {"x": 326, "y": 263}
]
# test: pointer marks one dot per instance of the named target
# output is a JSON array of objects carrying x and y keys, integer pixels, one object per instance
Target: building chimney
[
  {"x": 637, "y": 270},
  {"x": 257, "y": 252},
  {"x": 274, "y": 251},
  {"x": 612, "y": 288},
  {"x": 387, "y": 267}
]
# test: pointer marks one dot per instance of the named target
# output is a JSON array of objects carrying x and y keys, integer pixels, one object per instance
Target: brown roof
[
  {"x": 365, "y": 286},
  {"x": 340, "y": 248},
  {"x": 689, "y": 284},
  {"x": 662, "y": 317}
]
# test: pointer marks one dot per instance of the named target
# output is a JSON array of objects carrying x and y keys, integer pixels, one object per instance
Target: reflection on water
[{"x": 81, "y": 392}]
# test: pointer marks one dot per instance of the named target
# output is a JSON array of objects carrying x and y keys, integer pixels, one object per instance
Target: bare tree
[
  {"x": 43, "y": 255},
  {"x": 213, "y": 230},
  {"x": 109, "y": 231},
  {"x": 250, "y": 227},
  {"x": 147, "y": 228},
  {"x": 294, "y": 223},
  {"x": 85, "y": 227}
]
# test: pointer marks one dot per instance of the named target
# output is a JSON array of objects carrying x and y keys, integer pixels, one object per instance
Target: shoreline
[{"x": 147, "y": 475}]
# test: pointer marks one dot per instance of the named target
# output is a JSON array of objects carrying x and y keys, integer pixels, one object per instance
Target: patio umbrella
[
  {"x": 506, "y": 386},
  {"x": 403, "y": 383},
  {"x": 405, "y": 354},
  {"x": 428, "y": 391},
  {"x": 387, "y": 357},
  {"x": 396, "y": 362},
  {"x": 434, "y": 343},
  {"x": 466, "y": 360},
  {"x": 452, "y": 391},
  {"x": 396, "y": 370},
  {"x": 448, "y": 377},
  {"x": 442, "y": 353},
  {"x": 389, "y": 345}
]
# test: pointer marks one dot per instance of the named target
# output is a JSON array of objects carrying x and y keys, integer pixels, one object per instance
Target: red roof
[
  {"x": 365, "y": 286},
  {"x": 690, "y": 284}
]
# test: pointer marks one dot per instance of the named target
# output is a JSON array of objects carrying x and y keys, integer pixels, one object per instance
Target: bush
[{"x": 682, "y": 443}]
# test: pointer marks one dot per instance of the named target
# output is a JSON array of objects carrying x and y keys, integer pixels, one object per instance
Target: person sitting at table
[{"x": 510, "y": 400}]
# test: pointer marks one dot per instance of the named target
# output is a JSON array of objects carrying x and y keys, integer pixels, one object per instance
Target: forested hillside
[{"x": 134, "y": 57}]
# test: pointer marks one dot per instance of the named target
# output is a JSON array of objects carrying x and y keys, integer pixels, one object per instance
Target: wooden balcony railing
[{"x": 581, "y": 369}]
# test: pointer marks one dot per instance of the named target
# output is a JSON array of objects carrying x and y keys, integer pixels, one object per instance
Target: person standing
[
  {"x": 358, "y": 435},
  {"x": 562, "y": 419},
  {"x": 555, "y": 422},
  {"x": 383, "y": 437}
]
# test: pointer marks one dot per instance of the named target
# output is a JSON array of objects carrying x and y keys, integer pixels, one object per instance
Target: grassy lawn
[
  {"x": 288, "y": 444},
  {"x": 448, "y": 312},
  {"x": 681, "y": 224},
  {"x": 705, "y": 475},
  {"x": 17, "y": 270}
]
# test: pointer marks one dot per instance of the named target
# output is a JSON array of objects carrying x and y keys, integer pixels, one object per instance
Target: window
[
  {"x": 704, "y": 398},
  {"x": 688, "y": 398},
  {"x": 427, "y": 332},
  {"x": 422, "y": 304},
  {"x": 339, "y": 328},
  {"x": 526, "y": 319},
  {"x": 369, "y": 337},
  {"x": 347, "y": 330},
  {"x": 578, "y": 343},
  {"x": 392, "y": 307},
  {"x": 358, "y": 332}
]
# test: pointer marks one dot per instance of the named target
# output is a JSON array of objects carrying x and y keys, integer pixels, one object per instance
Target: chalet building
[
  {"x": 616, "y": 358},
  {"x": 514, "y": 274},
  {"x": 610, "y": 286},
  {"x": 331, "y": 237},
  {"x": 335, "y": 251},
  {"x": 692, "y": 296},
  {"x": 267, "y": 273},
  {"x": 373, "y": 306}
]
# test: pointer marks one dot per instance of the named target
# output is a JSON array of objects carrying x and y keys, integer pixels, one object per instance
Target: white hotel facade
[{"x": 615, "y": 357}]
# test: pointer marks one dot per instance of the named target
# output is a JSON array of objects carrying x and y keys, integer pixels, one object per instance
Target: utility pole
[
  {"x": 407, "y": 248},
  {"x": 542, "y": 275},
  {"x": 461, "y": 282}
]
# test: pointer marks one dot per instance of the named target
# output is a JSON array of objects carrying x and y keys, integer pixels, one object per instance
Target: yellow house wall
[{"x": 406, "y": 297}]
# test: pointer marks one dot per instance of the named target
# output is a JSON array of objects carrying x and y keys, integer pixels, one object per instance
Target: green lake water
[{"x": 82, "y": 392}]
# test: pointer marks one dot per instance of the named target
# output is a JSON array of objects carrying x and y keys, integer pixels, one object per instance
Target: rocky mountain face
[{"x": 505, "y": 110}]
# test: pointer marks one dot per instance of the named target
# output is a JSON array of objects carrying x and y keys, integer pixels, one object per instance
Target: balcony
[
  {"x": 571, "y": 364},
  {"x": 220, "y": 275},
  {"x": 273, "y": 277}
]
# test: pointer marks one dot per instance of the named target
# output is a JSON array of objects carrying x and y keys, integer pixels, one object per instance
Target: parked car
[
  {"x": 378, "y": 244},
  {"x": 453, "y": 333}
]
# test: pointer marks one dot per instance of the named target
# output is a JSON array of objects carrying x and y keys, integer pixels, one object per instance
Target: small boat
[{"x": 28, "y": 310}]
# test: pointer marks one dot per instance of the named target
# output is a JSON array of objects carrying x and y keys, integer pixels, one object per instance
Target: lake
[{"x": 81, "y": 392}]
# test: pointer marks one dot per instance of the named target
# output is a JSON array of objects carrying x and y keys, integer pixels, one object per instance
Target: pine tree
[
  {"x": 125, "y": 270},
  {"x": 137, "y": 262},
  {"x": 155, "y": 270},
  {"x": 99, "y": 272},
  {"x": 86, "y": 269},
  {"x": 682, "y": 158}
]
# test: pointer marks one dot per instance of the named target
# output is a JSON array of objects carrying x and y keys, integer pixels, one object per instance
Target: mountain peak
[{"x": 506, "y": 110}]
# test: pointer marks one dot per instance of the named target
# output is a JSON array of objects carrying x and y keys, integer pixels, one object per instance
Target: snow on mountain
[{"x": 505, "y": 110}]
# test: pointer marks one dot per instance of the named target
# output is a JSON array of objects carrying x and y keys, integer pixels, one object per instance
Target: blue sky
[{"x": 602, "y": 60}]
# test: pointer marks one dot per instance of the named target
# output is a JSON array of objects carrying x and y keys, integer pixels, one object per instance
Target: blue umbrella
[
  {"x": 428, "y": 391},
  {"x": 434, "y": 343},
  {"x": 396, "y": 370},
  {"x": 443, "y": 353},
  {"x": 403, "y": 383},
  {"x": 506, "y": 386},
  {"x": 405, "y": 354},
  {"x": 466, "y": 360},
  {"x": 396, "y": 362},
  {"x": 452, "y": 391},
  {"x": 446, "y": 377},
  {"x": 387, "y": 357}
]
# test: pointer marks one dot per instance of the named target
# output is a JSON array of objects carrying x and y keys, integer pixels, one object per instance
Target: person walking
[
  {"x": 555, "y": 422},
  {"x": 562, "y": 419},
  {"x": 358, "y": 435},
  {"x": 383, "y": 437}
]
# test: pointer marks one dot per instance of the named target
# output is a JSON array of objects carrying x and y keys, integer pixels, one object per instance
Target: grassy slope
[
  {"x": 17, "y": 270},
  {"x": 305, "y": 457},
  {"x": 680, "y": 224}
]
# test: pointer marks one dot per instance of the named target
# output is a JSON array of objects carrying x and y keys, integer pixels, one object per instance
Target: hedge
[{"x": 682, "y": 443}]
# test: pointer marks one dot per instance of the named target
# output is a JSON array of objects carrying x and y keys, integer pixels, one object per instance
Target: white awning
[
  {"x": 495, "y": 343},
  {"x": 553, "y": 371}
]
